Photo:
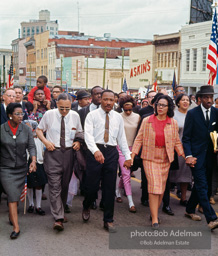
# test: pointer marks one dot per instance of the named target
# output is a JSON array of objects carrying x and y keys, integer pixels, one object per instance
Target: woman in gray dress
[
  {"x": 183, "y": 175},
  {"x": 15, "y": 139}
]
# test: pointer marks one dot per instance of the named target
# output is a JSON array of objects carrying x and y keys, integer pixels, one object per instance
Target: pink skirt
[{"x": 157, "y": 171}]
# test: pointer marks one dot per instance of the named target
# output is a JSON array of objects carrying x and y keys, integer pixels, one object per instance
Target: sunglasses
[{"x": 62, "y": 109}]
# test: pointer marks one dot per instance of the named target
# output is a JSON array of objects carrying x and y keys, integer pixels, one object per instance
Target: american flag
[
  {"x": 11, "y": 75},
  {"x": 212, "y": 52},
  {"x": 154, "y": 87},
  {"x": 24, "y": 192}
]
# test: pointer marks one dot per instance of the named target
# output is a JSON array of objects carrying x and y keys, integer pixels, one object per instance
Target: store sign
[{"x": 140, "y": 69}]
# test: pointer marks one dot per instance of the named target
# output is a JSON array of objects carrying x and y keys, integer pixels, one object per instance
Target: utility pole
[
  {"x": 3, "y": 71},
  {"x": 78, "y": 16},
  {"x": 105, "y": 55},
  {"x": 87, "y": 72},
  {"x": 30, "y": 76},
  {"x": 123, "y": 49},
  {"x": 61, "y": 70}
]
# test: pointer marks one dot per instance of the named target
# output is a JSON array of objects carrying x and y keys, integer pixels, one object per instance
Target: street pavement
[{"x": 37, "y": 236}]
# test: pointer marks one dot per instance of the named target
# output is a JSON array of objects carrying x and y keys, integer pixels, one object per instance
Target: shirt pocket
[
  {"x": 72, "y": 134},
  {"x": 114, "y": 132}
]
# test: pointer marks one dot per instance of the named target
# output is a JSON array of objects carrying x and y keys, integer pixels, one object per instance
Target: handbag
[{"x": 175, "y": 164}]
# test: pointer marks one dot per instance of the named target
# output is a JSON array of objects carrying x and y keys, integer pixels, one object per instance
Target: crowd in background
[{"x": 84, "y": 141}]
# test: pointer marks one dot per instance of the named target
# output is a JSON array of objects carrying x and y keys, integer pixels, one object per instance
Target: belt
[
  {"x": 64, "y": 148},
  {"x": 105, "y": 146}
]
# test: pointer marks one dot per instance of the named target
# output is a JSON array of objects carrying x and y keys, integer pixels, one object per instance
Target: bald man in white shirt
[
  {"x": 61, "y": 126},
  {"x": 104, "y": 129}
]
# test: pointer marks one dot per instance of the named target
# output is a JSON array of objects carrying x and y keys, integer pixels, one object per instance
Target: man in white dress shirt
[
  {"x": 61, "y": 126},
  {"x": 104, "y": 129}
]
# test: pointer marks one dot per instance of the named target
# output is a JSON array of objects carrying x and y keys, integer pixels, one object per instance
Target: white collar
[{"x": 205, "y": 109}]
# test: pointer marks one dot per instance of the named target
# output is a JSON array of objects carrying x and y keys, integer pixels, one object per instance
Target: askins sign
[{"x": 140, "y": 69}]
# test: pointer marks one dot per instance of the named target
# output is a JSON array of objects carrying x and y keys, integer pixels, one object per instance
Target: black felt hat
[
  {"x": 206, "y": 89},
  {"x": 82, "y": 94}
]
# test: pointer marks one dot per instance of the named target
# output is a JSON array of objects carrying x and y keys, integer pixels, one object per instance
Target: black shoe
[
  {"x": 183, "y": 203},
  {"x": 145, "y": 203},
  {"x": 30, "y": 209},
  {"x": 67, "y": 209},
  {"x": 159, "y": 221},
  {"x": 167, "y": 210},
  {"x": 155, "y": 226},
  {"x": 94, "y": 205},
  {"x": 178, "y": 193},
  {"x": 86, "y": 214},
  {"x": 14, "y": 235},
  {"x": 189, "y": 188},
  {"x": 40, "y": 211}
]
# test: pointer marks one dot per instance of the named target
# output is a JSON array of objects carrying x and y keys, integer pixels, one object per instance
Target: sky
[{"x": 121, "y": 18}]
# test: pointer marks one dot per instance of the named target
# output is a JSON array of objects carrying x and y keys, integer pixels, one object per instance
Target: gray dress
[
  {"x": 183, "y": 174},
  {"x": 14, "y": 159}
]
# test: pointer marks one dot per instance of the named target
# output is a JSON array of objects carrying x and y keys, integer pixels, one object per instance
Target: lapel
[
  {"x": 3, "y": 113},
  {"x": 201, "y": 115},
  {"x": 19, "y": 130}
]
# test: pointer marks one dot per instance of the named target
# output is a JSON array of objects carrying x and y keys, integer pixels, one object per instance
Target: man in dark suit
[
  {"x": 82, "y": 100},
  {"x": 96, "y": 102},
  {"x": 149, "y": 109},
  {"x": 8, "y": 97},
  {"x": 198, "y": 145},
  {"x": 19, "y": 99}
]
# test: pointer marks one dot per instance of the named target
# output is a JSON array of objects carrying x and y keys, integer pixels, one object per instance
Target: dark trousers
[
  {"x": 108, "y": 173},
  {"x": 144, "y": 186},
  {"x": 58, "y": 167},
  {"x": 199, "y": 192}
]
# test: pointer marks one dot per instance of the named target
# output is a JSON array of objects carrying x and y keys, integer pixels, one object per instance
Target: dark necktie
[
  {"x": 62, "y": 138},
  {"x": 106, "y": 133},
  {"x": 207, "y": 118}
]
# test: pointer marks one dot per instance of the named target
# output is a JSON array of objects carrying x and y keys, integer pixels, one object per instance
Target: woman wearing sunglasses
[
  {"x": 131, "y": 121},
  {"x": 158, "y": 136},
  {"x": 16, "y": 138}
]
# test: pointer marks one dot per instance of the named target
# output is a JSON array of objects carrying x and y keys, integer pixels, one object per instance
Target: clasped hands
[
  {"x": 100, "y": 158},
  {"x": 191, "y": 161}
]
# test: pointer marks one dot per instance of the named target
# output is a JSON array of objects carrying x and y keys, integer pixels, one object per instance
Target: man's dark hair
[
  {"x": 179, "y": 97},
  {"x": 59, "y": 87},
  {"x": 38, "y": 90},
  {"x": 18, "y": 87},
  {"x": 170, "y": 112},
  {"x": 64, "y": 96},
  {"x": 116, "y": 94},
  {"x": 107, "y": 91},
  {"x": 198, "y": 95},
  {"x": 149, "y": 92},
  {"x": 97, "y": 86},
  {"x": 11, "y": 107},
  {"x": 44, "y": 78},
  {"x": 156, "y": 97}
]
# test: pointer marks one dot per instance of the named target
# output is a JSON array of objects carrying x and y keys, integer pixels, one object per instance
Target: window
[
  {"x": 158, "y": 59},
  {"x": 28, "y": 31},
  {"x": 42, "y": 29},
  {"x": 194, "y": 59},
  {"x": 173, "y": 65},
  {"x": 169, "y": 59},
  {"x": 37, "y": 55},
  {"x": 51, "y": 28},
  {"x": 24, "y": 30},
  {"x": 38, "y": 71},
  {"x": 175, "y": 62},
  {"x": 42, "y": 70},
  {"x": 204, "y": 58},
  {"x": 33, "y": 31},
  {"x": 41, "y": 53},
  {"x": 161, "y": 61},
  {"x": 37, "y": 30},
  {"x": 45, "y": 70},
  {"x": 52, "y": 33},
  {"x": 187, "y": 59},
  {"x": 45, "y": 53}
]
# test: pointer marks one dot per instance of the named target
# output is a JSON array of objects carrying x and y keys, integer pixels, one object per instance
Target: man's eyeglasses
[
  {"x": 62, "y": 109},
  {"x": 19, "y": 114},
  {"x": 150, "y": 97},
  {"x": 180, "y": 90},
  {"x": 161, "y": 105},
  {"x": 10, "y": 96}
]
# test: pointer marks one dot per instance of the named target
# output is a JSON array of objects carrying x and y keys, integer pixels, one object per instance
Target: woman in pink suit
[{"x": 158, "y": 137}]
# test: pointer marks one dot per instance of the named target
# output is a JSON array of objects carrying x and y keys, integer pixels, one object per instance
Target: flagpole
[{"x": 24, "y": 204}]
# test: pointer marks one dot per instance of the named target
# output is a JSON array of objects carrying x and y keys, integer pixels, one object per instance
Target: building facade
[{"x": 195, "y": 39}]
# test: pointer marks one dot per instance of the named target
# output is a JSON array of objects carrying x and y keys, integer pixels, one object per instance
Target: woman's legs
[
  {"x": 154, "y": 204},
  {"x": 13, "y": 216}
]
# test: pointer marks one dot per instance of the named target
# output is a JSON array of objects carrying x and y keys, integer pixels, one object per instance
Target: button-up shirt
[
  {"x": 95, "y": 129},
  {"x": 51, "y": 124},
  {"x": 204, "y": 111}
]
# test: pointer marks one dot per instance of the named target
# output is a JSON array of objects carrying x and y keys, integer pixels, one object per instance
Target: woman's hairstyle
[
  {"x": 156, "y": 97},
  {"x": 10, "y": 108},
  {"x": 124, "y": 100},
  {"x": 171, "y": 106},
  {"x": 179, "y": 97}
]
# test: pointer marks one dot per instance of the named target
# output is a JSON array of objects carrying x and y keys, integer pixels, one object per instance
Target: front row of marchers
[{"x": 109, "y": 137}]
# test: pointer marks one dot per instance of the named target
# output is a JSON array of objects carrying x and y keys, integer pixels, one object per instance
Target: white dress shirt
[
  {"x": 204, "y": 111},
  {"x": 92, "y": 107},
  {"x": 95, "y": 129},
  {"x": 51, "y": 124}
]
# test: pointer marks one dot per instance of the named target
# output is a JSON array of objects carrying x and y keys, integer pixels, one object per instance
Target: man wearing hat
[
  {"x": 198, "y": 146},
  {"x": 82, "y": 100}
]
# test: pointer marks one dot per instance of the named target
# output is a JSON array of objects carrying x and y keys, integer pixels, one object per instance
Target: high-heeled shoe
[{"x": 14, "y": 235}]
